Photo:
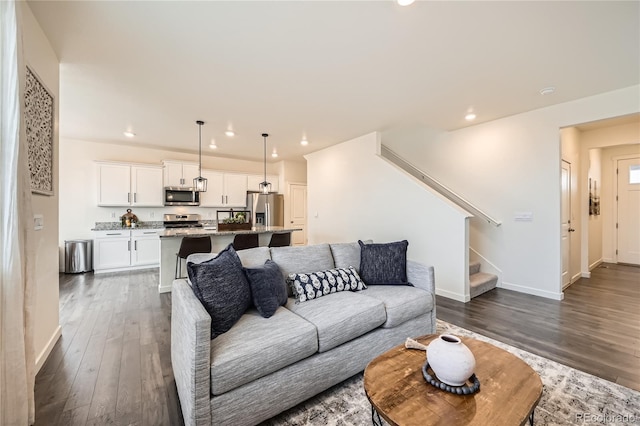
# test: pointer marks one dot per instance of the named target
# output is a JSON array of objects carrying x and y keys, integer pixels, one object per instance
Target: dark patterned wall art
[{"x": 38, "y": 117}]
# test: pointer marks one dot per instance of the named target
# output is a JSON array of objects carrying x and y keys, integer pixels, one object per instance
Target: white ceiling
[{"x": 327, "y": 70}]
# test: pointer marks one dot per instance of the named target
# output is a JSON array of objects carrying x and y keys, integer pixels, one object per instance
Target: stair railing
[{"x": 387, "y": 153}]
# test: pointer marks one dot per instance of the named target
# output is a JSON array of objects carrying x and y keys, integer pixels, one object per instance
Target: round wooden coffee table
[{"x": 509, "y": 389}]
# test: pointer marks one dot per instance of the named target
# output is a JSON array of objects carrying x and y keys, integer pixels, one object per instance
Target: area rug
[{"x": 570, "y": 396}]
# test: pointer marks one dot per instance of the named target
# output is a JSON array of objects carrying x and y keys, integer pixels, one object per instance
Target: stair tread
[
  {"x": 474, "y": 267},
  {"x": 481, "y": 278}
]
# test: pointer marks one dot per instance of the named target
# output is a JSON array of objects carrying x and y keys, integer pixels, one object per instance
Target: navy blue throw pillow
[
  {"x": 222, "y": 287},
  {"x": 384, "y": 263},
  {"x": 268, "y": 289}
]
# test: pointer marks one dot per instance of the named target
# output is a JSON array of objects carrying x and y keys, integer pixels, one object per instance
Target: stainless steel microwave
[{"x": 176, "y": 196}]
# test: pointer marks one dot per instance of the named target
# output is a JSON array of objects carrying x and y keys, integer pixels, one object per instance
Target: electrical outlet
[
  {"x": 113, "y": 215},
  {"x": 152, "y": 215}
]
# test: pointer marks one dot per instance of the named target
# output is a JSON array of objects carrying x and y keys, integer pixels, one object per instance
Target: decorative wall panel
[{"x": 38, "y": 115}]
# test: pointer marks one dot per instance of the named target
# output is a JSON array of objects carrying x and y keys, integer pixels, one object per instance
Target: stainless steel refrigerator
[{"x": 266, "y": 209}]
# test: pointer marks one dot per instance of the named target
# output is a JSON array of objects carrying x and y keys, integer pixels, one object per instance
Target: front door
[
  {"x": 566, "y": 223},
  {"x": 628, "y": 223}
]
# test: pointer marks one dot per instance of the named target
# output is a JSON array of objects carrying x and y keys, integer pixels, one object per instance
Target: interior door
[
  {"x": 628, "y": 222},
  {"x": 566, "y": 223},
  {"x": 298, "y": 213}
]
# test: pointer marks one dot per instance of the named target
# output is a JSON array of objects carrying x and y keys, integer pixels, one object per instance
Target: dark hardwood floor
[
  {"x": 596, "y": 328},
  {"x": 112, "y": 365}
]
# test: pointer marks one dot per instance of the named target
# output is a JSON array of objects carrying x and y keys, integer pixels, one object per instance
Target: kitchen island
[{"x": 170, "y": 240}]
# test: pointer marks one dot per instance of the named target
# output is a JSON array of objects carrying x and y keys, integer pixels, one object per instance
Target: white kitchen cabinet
[
  {"x": 224, "y": 189},
  {"x": 145, "y": 247},
  {"x": 111, "y": 250},
  {"x": 235, "y": 188},
  {"x": 146, "y": 186},
  {"x": 179, "y": 174},
  {"x": 121, "y": 184},
  {"x": 114, "y": 184},
  {"x": 122, "y": 250},
  {"x": 253, "y": 182}
]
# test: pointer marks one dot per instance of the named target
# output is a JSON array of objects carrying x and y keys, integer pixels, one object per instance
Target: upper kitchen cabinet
[
  {"x": 224, "y": 189},
  {"x": 253, "y": 182},
  {"x": 121, "y": 184},
  {"x": 179, "y": 174}
]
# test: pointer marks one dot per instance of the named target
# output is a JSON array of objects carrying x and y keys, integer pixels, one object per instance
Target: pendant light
[
  {"x": 200, "y": 183},
  {"x": 265, "y": 187}
]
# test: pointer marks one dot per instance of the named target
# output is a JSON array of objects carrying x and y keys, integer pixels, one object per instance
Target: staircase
[{"x": 480, "y": 282}]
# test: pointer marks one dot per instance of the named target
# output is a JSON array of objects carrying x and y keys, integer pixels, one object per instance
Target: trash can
[{"x": 78, "y": 256}]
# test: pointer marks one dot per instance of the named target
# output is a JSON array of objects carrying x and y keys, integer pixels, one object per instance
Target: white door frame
[
  {"x": 564, "y": 164},
  {"x": 615, "y": 200}
]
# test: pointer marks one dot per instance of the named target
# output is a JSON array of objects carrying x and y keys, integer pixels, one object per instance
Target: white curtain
[{"x": 17, "y": 360}]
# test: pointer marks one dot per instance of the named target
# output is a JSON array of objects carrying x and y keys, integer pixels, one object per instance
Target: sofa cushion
[
  {"x": 384, "y": 263},
  {"x": 268, "y": 288},
  {"x": 347, "y": 254},
  {"x": 401, "y": 303},
  {"x": 258, "y": 346},
  {"x": 311, "y": 285},
  {"x": 340, "y": 317},
  {"x": 293, "y": 260},
  {"x": 254, "y": 256},
  {"x": 222, "y": 287}
]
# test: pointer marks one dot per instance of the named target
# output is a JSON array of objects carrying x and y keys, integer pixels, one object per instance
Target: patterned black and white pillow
[{"x": 312, "y": 285}]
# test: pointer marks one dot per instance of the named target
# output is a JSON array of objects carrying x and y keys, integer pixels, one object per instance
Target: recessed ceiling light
[
  {"x": 547, "y": 90},
  {"x": 129, "y": 134},
  {"x": 304, "y": 142},
  {"x": 274, "y": 154},
  {"x": 213, "y": 145},
  {"x": 404, "y": 2},
  {"x": 470, "y": 116},
  {"x": 230, "y": 133}
]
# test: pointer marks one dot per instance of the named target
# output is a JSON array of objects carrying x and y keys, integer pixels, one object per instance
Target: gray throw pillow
[
  {"x": 222, "y": 287},
  {"x": 268, "y": 289},
  {"x": 384, "y": 263},
  {"x": 311, "y": 285}
]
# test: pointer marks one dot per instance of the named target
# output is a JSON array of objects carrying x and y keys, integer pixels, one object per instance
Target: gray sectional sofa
[{"x": 263, "y": 366}]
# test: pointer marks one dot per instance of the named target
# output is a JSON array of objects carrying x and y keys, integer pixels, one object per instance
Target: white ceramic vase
[{"x": 451, "y": 360}]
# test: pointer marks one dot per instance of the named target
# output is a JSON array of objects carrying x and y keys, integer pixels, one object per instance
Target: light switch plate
[
  {"x": 38, "y": 222},
  {"x": 523, "y": 216}
]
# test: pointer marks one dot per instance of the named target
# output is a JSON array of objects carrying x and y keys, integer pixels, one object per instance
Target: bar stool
[
  {"x": 190, "y": 245},
  {"x": 245, "y": 241},
  {"x": 280, "y": 240}
]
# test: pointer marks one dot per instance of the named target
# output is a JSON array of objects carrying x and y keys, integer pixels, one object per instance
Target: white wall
[
  {"x": 513, "y": 165},
  {"x": 78, "y": 182},
  {"x": 290, "y": 172},
  {"x": 40, "y": 57},
  {"x": 595, "y": 221},
  {"x": 624, "y": 139},
  {"x": 354, "y": 194}
]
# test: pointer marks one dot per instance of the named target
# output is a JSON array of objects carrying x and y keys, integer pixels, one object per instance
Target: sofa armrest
[
  {"x": 190, "y": 353},
  {"x": 423, "y": 277}
]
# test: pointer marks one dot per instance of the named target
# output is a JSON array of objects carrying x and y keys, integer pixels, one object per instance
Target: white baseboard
[
  {"x": 586, "y": 275},
  {"x": 595, "y": 264},
  {"x": 165, "y": 289},
  {"x": 42, "y": 357},
  {"x": 452, "y": 295},
  {"x": 532, "y": 291}
]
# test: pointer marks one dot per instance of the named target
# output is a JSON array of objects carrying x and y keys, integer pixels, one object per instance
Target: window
[{"x": 634, "y": 173}]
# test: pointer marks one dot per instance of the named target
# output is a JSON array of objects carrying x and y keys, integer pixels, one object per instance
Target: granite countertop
[
  {"x": 117, "y": 226},
  {"x": 181, "y": 232}
]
